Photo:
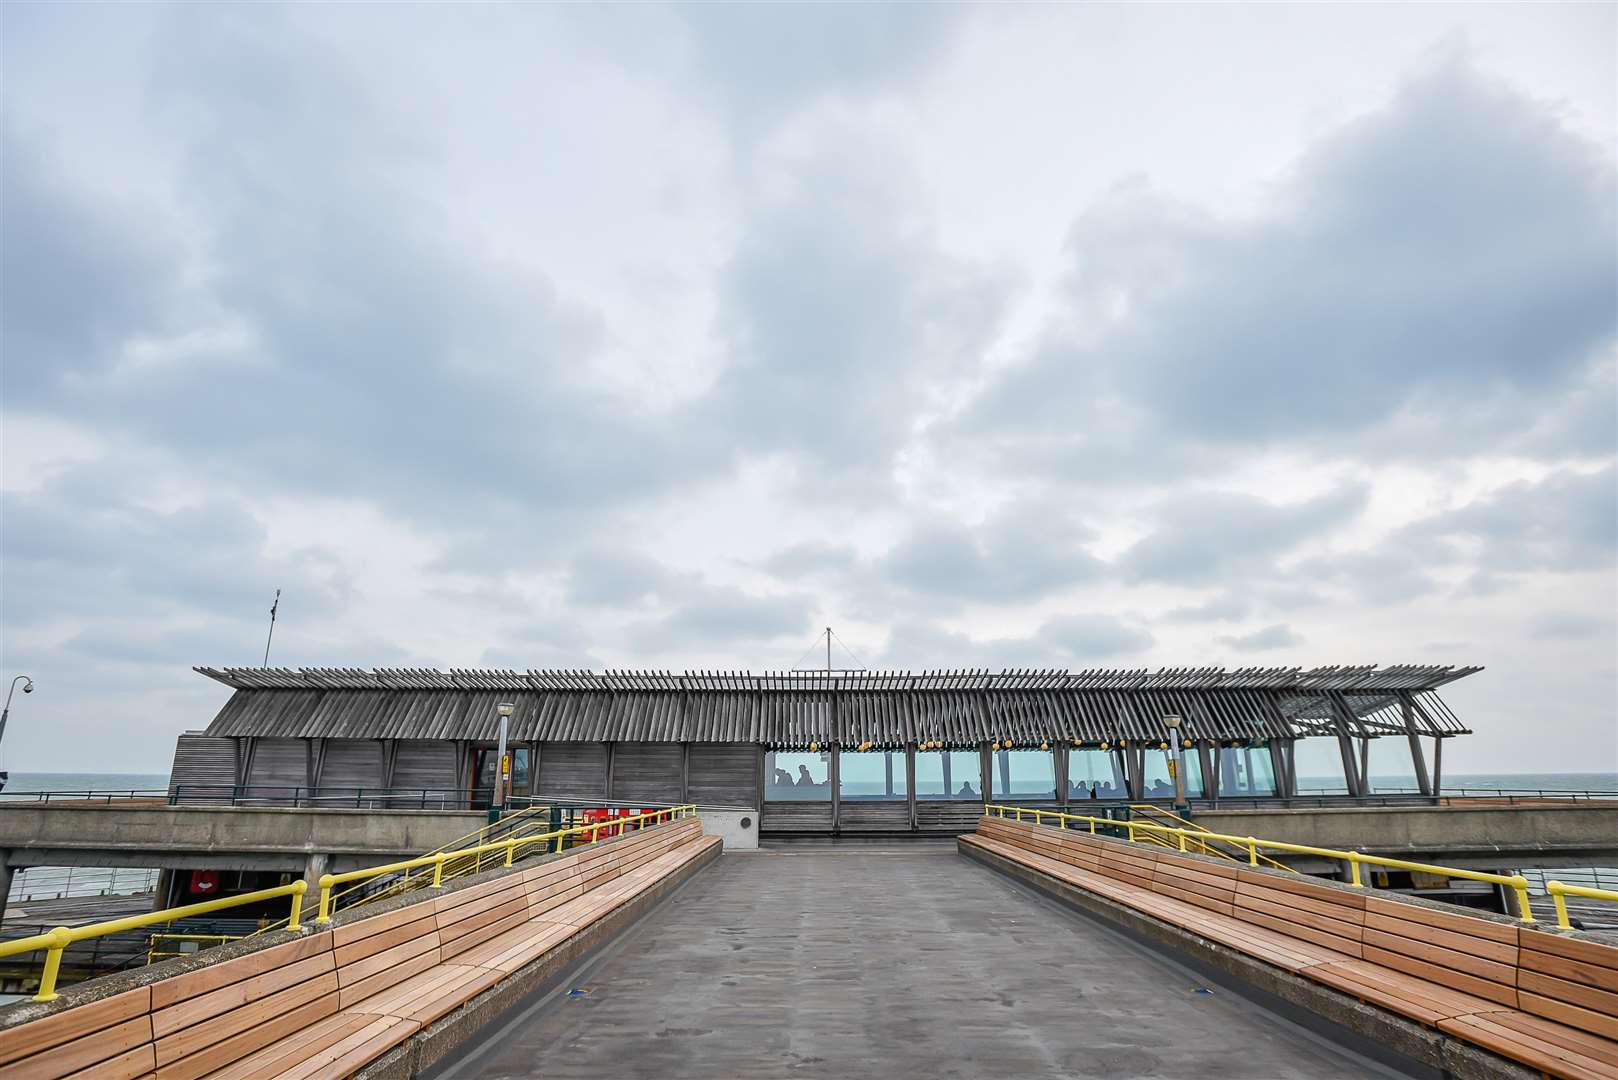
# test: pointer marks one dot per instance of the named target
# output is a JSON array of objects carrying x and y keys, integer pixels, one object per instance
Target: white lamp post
[
  {"x": 1176, "y": 759},
  {"x": 497, "y": 800}
]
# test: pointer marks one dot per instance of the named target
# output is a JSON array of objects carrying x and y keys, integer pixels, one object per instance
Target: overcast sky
[{"x": 1124, "y": 336}]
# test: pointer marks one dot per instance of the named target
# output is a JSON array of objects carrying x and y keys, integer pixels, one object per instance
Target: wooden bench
[
  {"x": 1546, "y": 999},
  {"x": 329, "y": 1002}
]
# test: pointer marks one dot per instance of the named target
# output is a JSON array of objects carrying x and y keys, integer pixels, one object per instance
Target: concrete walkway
[{"x": 887, "y": 964}]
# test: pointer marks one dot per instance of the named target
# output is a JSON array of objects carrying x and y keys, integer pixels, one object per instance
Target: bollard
[
  {"x": 298, "y": 889},
  {"x": 61, "y": 938},
  {"x": 326, "y": 882}
]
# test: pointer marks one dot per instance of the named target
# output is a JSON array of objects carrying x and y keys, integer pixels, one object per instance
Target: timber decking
[
  {"x": 330, "y": 1002},
  {"x": 1547, "y": 1000}
]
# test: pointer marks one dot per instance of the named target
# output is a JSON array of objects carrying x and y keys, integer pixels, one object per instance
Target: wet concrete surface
[{"x": 890, "y": 964}]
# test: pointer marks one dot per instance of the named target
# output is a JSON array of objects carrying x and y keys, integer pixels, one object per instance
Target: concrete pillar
[
  {"x": 314, "y": 866},
  {"x": 6, "y": 873}
]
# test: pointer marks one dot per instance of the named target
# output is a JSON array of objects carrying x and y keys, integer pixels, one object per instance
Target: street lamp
[
  {"x": 502, "y": 770},
  {"x": 1176, "y": 760},
  {"x": 27, "y": 688}
]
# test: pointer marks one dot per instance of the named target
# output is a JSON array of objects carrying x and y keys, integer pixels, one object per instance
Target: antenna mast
[{"x": 271, "y": 638}]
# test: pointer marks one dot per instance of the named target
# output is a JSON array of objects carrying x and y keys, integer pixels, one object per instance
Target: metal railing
[
  {"x": 507, "y": 848},
  {"x": 1203, "y": 836},
  {"x": 56, "y": 941},
  {"x": 328, "y": 796},
  {"x": 1515, "y": 882},
  {"x": 1560, "y": 892}
]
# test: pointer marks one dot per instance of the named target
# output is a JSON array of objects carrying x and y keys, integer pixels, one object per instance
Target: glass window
[
  {"x": 949, "y": 774},
  {"x": 874, "y": 774},
  {"x": 1246, "y": 770},
  {"x": 1318, "y": 763},
  {"x": 1393, "y": 770},
  {"x": 1158, "y": 783},
  {"x": 483, "y": 792},
  {"x": 1095, "y": 774},
  {"x": 797, "y": 776},
  {"x": 1024, "y": 774}
]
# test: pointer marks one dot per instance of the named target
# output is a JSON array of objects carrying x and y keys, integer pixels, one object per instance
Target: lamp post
[
  {"x": 1176, "y": 761},
  {"x": 502, "y": 773},
  {"x": 27, "y": 688}
]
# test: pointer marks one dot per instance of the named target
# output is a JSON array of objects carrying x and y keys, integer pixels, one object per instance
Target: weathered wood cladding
[{"x": 893, "y": 709}]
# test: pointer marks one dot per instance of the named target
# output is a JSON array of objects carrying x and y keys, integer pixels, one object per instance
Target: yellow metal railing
[
  {"x": 515, "y": 823},
  {"x": 509, "y": 849},
  {"x": 57, "y": 940},
  {"x": 154, "y": 953},
  {"x": 1201, "y": 835},
  {"x": 1515, "y": 882},
  {"x": 1560, "y": 892}
]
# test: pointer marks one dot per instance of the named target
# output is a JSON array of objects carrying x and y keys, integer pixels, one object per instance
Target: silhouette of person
[
  {"x": 804, "y": 779},
  {"x": 966, "y": 791},
  {"x": 1095, "y": 792},
  {"x": 782, "y": 778}
]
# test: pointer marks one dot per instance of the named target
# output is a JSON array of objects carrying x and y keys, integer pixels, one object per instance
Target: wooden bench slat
[
  {"x": 361, "y": 1047},
  {"x": 1487, "y": 948},
  {"x": 1603, "y": 1024},
  {"x": 1604, "y": 1050},
  {"x": 1549, "y": 1057},
  {"x": 123, "y": 1050},
  {"x": 74, "y": 1023},
  {"x": 191, "y": 984},
  {"x": 273, "y": 1061},
  {"x": 205, "y": 1054},
  {"x": 1444, "y": 959},
  {"x": 1440, "y": 975},
  {"x": 238, "y": 995},
  {"x": 1505, "y": 933}
]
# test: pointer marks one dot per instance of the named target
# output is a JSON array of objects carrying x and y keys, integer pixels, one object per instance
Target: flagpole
[{"x": 271, "y": 638}]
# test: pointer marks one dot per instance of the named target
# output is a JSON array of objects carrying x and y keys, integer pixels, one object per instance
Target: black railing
[{"x": 333, "y": 797}]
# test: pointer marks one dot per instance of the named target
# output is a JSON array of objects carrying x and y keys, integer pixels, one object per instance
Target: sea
[{"x": 49, "y": 882}]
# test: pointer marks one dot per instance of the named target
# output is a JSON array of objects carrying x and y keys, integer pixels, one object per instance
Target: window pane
[
  {"x": 797, "y": 775},
  {"x": 871, "y": 775},
  {"x": 1246, "y": 770},
  {"x": 1159, "y": 784},
  {"x": 1318, "y": 763},
  {"x": 1024, "y": 774},
  {"x": 949, "y": 774},
  {"x": 1097, "y": 774}
]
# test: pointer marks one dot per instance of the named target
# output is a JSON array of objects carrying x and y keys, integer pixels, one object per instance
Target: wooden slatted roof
[{"x": 883, "y": 708}]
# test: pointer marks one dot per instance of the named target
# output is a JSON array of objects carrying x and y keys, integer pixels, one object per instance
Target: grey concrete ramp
[{"x": 887, "y": 964}]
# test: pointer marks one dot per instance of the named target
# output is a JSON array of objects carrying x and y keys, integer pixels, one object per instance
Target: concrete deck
[{"x": 887, "y": 963}]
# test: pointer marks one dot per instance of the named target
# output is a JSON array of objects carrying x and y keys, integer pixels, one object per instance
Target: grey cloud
[
  {"x": 1567, "y": 522},
  {"x": 385, "y": 357},
  {"x": 1203, "y": 537},
  {"x": 1225, "y": 607},
  {"x": 1090, "y": 638},
  {"x": 1018, "y": 554},
  {"x": 84, "y": 547},
  {"x": 767, "y": 60},
  {"x": 1278, "y": 636},
  {"x": 811, "y": 558},
  {"x": 723, "y": 616},
  {"x": 615, "y": 578},
  {"x": 839, "y": 320},
  {"x": 1427, "y": 280},
  {"x": 1069, "y": 641},
  {"x": 1570, "y": 626}
]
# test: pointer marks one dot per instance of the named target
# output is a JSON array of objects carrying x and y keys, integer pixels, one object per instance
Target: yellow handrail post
[
  {"x": 326, "y": 883},
  {"x": 1520, "y": 885},
  {"x": 1092, "y": 826},
  {"x": 1354, "y": 869},
  {"x": 61, "y": 938},
  {"x": 298, "y": 889},
  {"x": 1181, "y": 834},
  {"x": 1559, "y": 898},
  {"x": 438, "y": 872},
  {"x": 1252, "y": 851},
  {"x": 1130, "y": 825},
  {"x": 511, "y": 848}
]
